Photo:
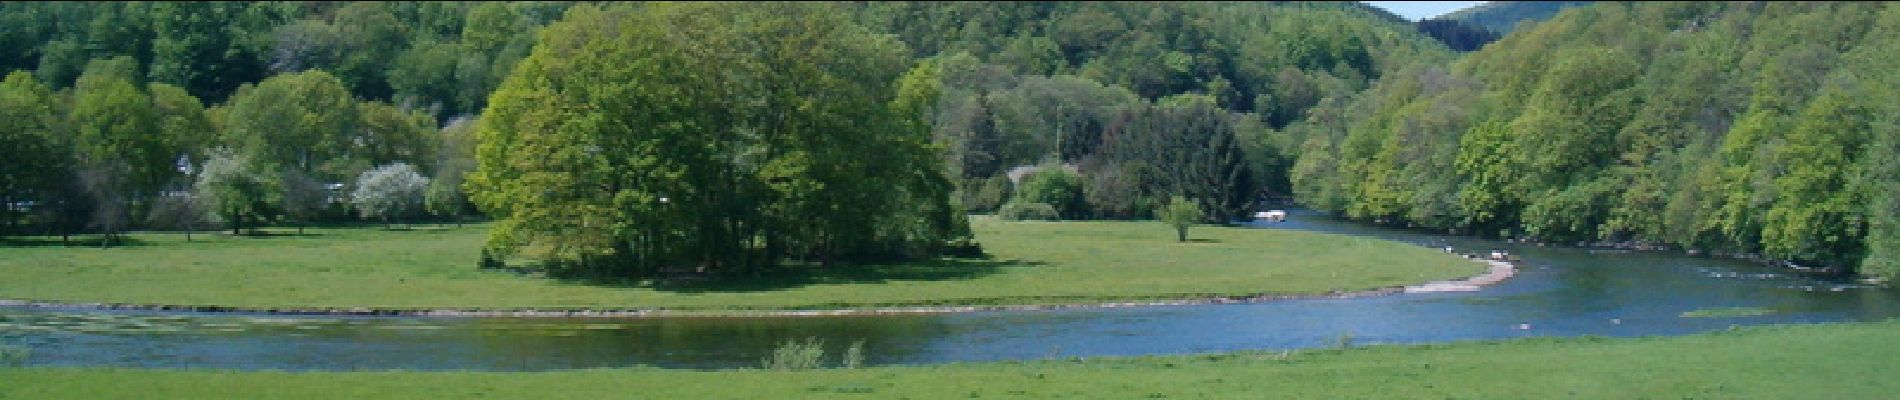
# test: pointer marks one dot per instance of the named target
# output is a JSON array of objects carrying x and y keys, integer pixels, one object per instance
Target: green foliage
[
  {"x": 1055, "y": 186},
  {"x": 992, "y": 193},
  {"x": 302, "y": 122},
  {"x": 28, "y": 121},
  {"x": 1504, "y": 16},
  {"x": 234, "y": 188},
  {"x": 1181, "y": 213},
  {"x": 793, "y": 355},
  {"x": 853, "y": 356},
  {"x": 11, "y": 356},
  {"x": 1712, "y": 126},
  {"x": 1028, "y": 211},
  {"x": 598, "y": 177}
]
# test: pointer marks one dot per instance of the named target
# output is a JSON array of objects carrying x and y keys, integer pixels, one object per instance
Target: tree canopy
[
  {"x": 714, "y": 136},
  {"x": 1737, "y": 128}
]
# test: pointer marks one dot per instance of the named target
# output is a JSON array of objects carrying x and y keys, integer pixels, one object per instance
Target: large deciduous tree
[{"x": 718, "y": 136}]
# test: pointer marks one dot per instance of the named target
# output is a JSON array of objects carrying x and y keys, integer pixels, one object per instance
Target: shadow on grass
[
  {"x": 790, "y": 277},
  {"x": 1193, "y": 240},
  {"x": 77, "y": 241}
]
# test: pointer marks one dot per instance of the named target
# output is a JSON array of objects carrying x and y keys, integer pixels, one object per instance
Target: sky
[{"x": 1416, "y": 10}]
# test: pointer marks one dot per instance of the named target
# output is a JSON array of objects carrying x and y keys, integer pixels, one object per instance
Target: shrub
[
  {"x": 1019, "y": 211},
  {"x": 11, "y": 356},
  {"x": 988, "y": 194},
  {"x": 854, "y": 355},
  {"x": 1057, "y": 187},
  {"x": 793, "y": 355},
  {"x": 1180, "y": 213}
]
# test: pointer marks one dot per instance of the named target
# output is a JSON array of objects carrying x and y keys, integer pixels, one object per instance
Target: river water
[{"x": 1557, "y": 292}]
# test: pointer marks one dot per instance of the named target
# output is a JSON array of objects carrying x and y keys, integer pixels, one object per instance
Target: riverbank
[
  {"x": 1797, "y": 361},
  {"x": 1034, "y": 265}
]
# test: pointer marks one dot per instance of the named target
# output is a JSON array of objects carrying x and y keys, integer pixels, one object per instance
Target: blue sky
[{"x": 1416, "y": 10}]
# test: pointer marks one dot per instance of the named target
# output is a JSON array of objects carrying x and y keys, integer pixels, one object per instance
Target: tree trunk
[{"x": 1180, "y": 234}]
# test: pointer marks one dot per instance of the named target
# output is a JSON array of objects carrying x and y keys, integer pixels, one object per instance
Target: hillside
[
  {"x": 1503, "y": 16},
  {"x": 1143, "y": 99},
  {"x": 1737, "y": 128}
]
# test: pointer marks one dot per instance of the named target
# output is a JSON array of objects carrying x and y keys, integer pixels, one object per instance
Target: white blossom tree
[{"x": 389, "y": 191}]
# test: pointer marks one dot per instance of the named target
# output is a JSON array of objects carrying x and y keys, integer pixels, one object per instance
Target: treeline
[
  {"x": 1138, "y": 101},
  {"x": 1742, "y": 128},
  {"x": 1505, "y": 16},
  {"x": 112, "y": 153},
  {"x": 175, "y": 115},
  {"x": 442, "y": 57},
  {"x": 130, "y": 115}
]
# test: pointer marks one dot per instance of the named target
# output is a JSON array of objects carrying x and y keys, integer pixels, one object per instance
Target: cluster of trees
[
  {"x": 115, "y": 152},
  {"x": 1744, "y": 128},
  {"x": 1140, "y": 101},
  {"x": 1006, "y": 135},
  {"x": 631, "y": 138},
  {"x": 1273, "y": 59},
  {"x": 108, "y": 126},
  {"x": 730, "y": 138},
  {"x": 443, "y": 57}
]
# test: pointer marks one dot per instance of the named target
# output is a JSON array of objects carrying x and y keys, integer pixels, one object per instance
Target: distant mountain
[{"x": 1502, "y": 16}]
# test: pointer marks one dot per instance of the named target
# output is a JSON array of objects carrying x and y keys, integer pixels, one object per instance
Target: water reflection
[{"x": 1557, "y": 292}]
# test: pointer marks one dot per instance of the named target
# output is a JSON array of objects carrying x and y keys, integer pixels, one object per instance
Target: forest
[
  {"x": 185, "y": 116},
  {"x": 1754, "y": 129}
]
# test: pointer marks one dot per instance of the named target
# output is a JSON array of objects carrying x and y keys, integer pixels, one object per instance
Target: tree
[
  {"x": 1056, "y": 186},
  {"x": 303, "y": 199},
  {"x": 33, "y": 164},
  {"x": 232, "y": 187},
  {"x": 1180, "y": 213},
  {"x": 301, "y": 121},
  {"x": 455, "y": 158},
  {"x": 123, "y": 157},
  {"x": 389, "y": 192},
  {"x": 718, "y": 136},
  {"x": 182, "y": 210}
]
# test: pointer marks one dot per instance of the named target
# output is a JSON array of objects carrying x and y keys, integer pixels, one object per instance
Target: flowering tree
[{"x": 389, "y": 191}]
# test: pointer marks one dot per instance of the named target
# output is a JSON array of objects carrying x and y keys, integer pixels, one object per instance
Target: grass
[
  {"x": 1727, "y": 312},
  {"x": 428, "y": 268},
  {"x": 1852, "y": 361}
]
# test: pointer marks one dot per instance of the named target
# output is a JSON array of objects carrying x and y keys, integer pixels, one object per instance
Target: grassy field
[
  {"x": 1032, "y": 263},
  {"x": 1839, "y": 361}
]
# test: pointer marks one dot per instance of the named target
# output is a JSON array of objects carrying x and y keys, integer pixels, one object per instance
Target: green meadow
[{"x": 432, "y": 267}]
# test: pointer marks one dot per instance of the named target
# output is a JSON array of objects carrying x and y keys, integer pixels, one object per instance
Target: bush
[
  {"x": 1180, "y": 213},
  {"x": 793, "y": 355},
  {"x": 1019, "y": 211},
  {"x": 1057, "y": 187},
  {"x": 854, "y": 355},
  {"x": 11, "y": 356},
  {"x": 986, "y": 195}
]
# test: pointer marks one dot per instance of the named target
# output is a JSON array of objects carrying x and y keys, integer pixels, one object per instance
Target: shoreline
[{"x": 1498, "y": 272}]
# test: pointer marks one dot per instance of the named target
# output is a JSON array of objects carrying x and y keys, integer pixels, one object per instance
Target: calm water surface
[{"x": 1557, "y": 292}]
